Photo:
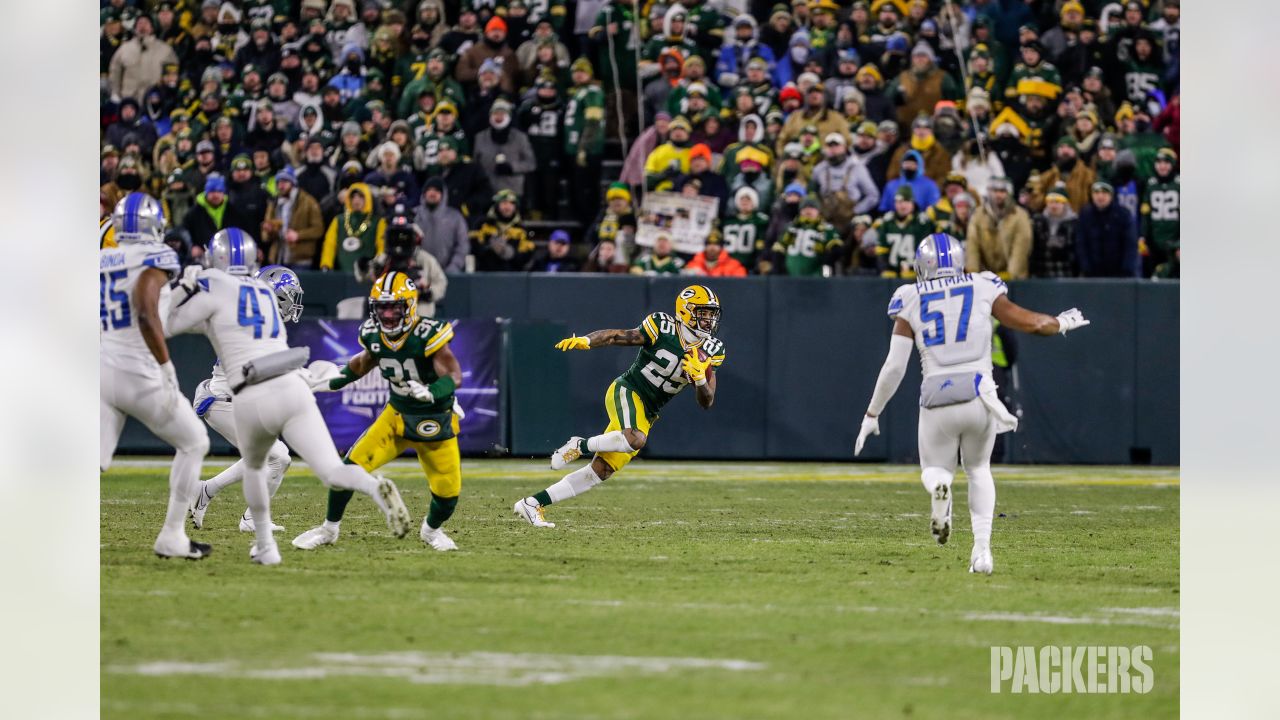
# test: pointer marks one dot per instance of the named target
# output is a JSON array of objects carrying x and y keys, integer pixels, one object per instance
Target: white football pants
[
  {"x": 219, "y": 416},
  {"x": 966, "y": 429},
  {"x": 168, "y": 416}
]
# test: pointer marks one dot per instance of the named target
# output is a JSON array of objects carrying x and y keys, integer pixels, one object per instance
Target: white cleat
[
  {"x": 181, "y": 547},
  {"x": 315, "y": 537},
  {"x": 388, "y": 498},
  {"x": 198, "y": 506},
  {"x": 940, "y": 520},
  {"x": 269, "y": 556},
  {"x": 437, "y": 538},
  {"x": 980, "y": 561},
  {"x": 531, "y": 511},
  {"x": 567, "y": 453},
  {"x": 247, "y": 526}
]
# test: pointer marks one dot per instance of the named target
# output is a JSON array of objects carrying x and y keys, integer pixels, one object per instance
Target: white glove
[
  {"x": 190, "y": 278},
  {"x": 169, "y": 374},
  {"x": 1070, "y": 320},
  {"x": 870, "y": 426},
  {"x": 318, "y": 374},
  {"x": 420, "y": 392}
]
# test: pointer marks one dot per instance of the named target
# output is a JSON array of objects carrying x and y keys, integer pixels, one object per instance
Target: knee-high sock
[
  {"x": 230, "y": 476},
  {"x": 338, "y": 500},
  {"x": 573, "y": 484},
  {"x": 183, "y": 476},
  {"x": 932, "y": 477},
  {"x": 441, "y": 509},
  {"x": 615, "y": 441},
  {"x": 255, "y": 493},
  {"x": 982, "y": 503}
]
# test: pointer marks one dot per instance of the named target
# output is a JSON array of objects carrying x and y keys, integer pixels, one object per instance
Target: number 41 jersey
[
  {"x": 951, "y": 319},
  {"x": 656, "y": 375}
]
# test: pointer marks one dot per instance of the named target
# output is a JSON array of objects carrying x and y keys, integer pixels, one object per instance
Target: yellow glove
[
  {"x": 573, "y": 343},
  {"x": 693, "y": 367}
]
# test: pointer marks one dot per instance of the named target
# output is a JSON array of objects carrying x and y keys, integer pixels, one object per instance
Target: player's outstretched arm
[
  {"x": 602, "y": 338},
  {"x": 891, "y": 373},
  {"x": 1019, "y": 318},
  {"x": 356, "y": 368}
]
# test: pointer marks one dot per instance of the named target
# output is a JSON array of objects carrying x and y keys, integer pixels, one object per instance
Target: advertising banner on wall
[{"x": 478, "y": 347}]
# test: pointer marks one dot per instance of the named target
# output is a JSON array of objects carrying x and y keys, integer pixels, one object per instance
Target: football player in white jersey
[
  {"x": 269, "y": 397},
  {"x": 213, "y": 404},
  {"x": 138, "y": 378},
  {"x": 947, "y": 314}
]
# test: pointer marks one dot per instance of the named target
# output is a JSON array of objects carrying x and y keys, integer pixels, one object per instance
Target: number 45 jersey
[
  {"x": 951, "y": 319},
  {"x": 656, "y": 375},
  {"x": 120, "y": 268}
]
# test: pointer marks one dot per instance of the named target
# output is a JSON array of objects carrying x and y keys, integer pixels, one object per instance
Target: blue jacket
[
  {"x": 733, "y": 63},
  {"x": 925, "y": 189},
  {"x": 1107, "y": 242}
]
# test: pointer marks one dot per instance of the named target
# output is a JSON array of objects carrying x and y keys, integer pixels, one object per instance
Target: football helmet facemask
[
  {"x": 698, "y": 310},
  {"x": 393, "y": 303}
]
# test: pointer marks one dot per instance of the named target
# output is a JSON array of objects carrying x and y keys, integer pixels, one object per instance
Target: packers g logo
[
  {"x": 351, "y": 244},
  {"x": 428, "y": 428},
  {"x": 688, "y": 293}
]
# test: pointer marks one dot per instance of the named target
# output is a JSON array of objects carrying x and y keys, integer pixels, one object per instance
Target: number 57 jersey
[
  {"x": 656, "y": 375},
  {"x": 951, "y": 320}
]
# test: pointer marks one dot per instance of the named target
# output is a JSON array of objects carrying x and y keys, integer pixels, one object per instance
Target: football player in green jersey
[
  {"x": 413, "y": 354},
  {"x": 673, "y": 353}
]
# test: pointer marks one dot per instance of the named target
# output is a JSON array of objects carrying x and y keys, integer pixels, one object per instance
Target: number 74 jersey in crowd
[
  {"x": 119, "y": 270},
  {"x": 237, "y": 313},
  {"x": 951, "y": 319},
  {"x": 656, "y": 375}
]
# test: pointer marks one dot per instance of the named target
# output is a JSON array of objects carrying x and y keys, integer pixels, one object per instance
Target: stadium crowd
[{"x": 831, "y": 135}]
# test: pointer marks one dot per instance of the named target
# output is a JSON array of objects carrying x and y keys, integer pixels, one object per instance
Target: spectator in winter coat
[
  {"x": 504, "y": 152},
  {"x": 1068, "y": 169},
  {"x": 843, "y": 183},
  {"x": 501, "y": 243},
  {"x": 356, "y": 236},
  {"x": 317, "y": 179},
  {"x": 937, "y": 159},
  {"x": 708, "y": 182},
  {"x": 554, "y": 258},
  {"x": 713, "y": 261},
  {"x": 246, "y": 196},
  {"x": 1107, "y": 240},
  {"x": 139, "y": 63},
  {"x": 924, "y": 189},
  {"x": 919, "y": 88},
  {"x": 467, "y": 186},
  {"x": 649, "y": 140},
  {"x": 444, "y": 229},
  {"x": 816, "y": 113},
  {"x": 875, "y": 104},
  {"x": 999, "y": 237},
  {"x": 493, "y": 46},
  {"x": 132, "y": 124},
  {"x": 741, "y": 44},
  {"x": 209, "y": 214},
  {"x": 868, "y": 151},
  {"x": 294, "y": 224},
  {"x": 391, "y": 173},
  {"x": 1053, "y": 247}
]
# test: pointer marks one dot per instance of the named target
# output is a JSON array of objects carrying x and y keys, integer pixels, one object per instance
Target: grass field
[{"x": 676, "y": 590}]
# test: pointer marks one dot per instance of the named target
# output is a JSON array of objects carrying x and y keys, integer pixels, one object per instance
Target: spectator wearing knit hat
[
  {"x": 714, "y": 261},
  {"x": 669, "y": 160},
  {"x": 1107, "y": 241},
  {"x": 392, "y": 172},
  {"x": 466, "y": 183},
  {"x": 659, "y": 260},
  {"x": 504, "y": 152},
  {"x": 247, "y": 198},
  {"x": 501, "y": 243},
  {"x": 343, "y": 28},
  {"x": 209, "y": 214},
  {"x": 1053, "y": 249},
  {"x": 919, "y": 88},
  {"x": 708, "y": 183},
  {"x": 936, "y": 158},
  {"x": 816, "y": 113},
  {"x": 584, "y": 139},
  {"x": 294, "y": 224},
  {"x": 843, "y": 183},
  {"x": 1075, "y": 175},
  {"x": 492, "y": 47},
  {"x": 615, "y": 223},
  {"x": 444, "y": 229},
  {"x": 810, "y": 245},
  {"x": 999, "y": 235},
  {"x": 744, "y": 227}
]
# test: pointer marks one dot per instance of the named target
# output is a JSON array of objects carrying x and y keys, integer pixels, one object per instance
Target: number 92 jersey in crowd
[
  {"x": 951, "y": 319},
  {"x": 120, "y": 267},
  {"x": 408, "y": 357},
  {"x": 656, "y": 375},
  {"x": 238, "y": 313}
]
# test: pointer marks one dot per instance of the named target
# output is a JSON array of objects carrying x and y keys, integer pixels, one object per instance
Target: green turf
[{"x": 820, "y": 581}]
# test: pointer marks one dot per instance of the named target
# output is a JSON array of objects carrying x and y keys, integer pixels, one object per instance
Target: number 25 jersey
[
  {"x": 656, "y": 375},
  {"x": 951, "y": 320}
]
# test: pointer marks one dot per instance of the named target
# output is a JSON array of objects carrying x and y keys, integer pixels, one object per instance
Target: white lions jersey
[
  {"x": 237, "y": 313},
  {"x": 951, "y": 319},
  {"x": 119, "y": 270}
]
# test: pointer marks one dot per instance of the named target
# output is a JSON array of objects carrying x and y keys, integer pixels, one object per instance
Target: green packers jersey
[
  {"x": 807, "y": 246},
  {"x": 409, "y": 358},
  {"x": 744, "y": 237},
  {"x": 586, "y": 107},
  {"x": 1160, "y": 213},
  {"x": 656, "y": 375},
  {"x": 897, "y": 238}
]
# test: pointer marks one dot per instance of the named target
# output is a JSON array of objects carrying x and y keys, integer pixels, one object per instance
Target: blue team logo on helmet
[
  {"x": 288, "y": 290},
  {"x": 939, "y": 255}
]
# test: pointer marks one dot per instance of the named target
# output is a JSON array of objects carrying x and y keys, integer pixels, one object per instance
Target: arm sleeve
[
  {"x": 895, "y": 367},
  {"x": 867, "y": 188}
]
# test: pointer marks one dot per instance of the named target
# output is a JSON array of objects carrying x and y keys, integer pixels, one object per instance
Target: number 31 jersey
[
  {"x": 656, "y": 375},
  {"x": 951, "y": 319}
]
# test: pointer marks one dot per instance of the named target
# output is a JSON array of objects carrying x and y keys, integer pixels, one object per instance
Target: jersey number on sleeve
[
  {"x": 251, "y": 313},
  {"x": 114, "y": 306},
  {"x": 939, "y": 334}
]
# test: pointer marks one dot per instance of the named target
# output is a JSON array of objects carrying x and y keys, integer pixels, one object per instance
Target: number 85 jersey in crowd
[
  {"x": 119, "y": 270},
  {"x": 951, "y": 319},
  {"x": 656, "y": 375},
  {"x": 238, "y": 313}
]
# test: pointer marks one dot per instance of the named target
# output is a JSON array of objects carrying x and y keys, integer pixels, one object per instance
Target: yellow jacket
[
  {"x": 329, "y": 250},
  {"x": 659, "y": 161}
]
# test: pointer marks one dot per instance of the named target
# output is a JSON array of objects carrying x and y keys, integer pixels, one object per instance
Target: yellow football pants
[
  {"x": 384, "y": 441},
  {"x": 626, "y": 410}
]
